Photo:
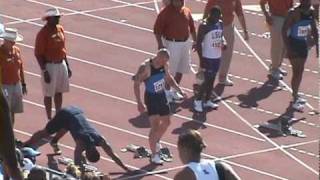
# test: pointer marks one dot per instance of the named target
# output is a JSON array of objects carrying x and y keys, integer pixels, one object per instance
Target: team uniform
[
  {"x": 298, "y": 35},
  {"x": 211, "y": 53},
  {"x": 71, "y": 118},
  {"x": 204, "y": 170},
  {"x": 155, "y": 97}
]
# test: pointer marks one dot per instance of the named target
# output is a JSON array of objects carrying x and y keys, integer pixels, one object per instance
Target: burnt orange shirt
[
  {"x": 174, "y": 23},
  {"x": 50, "y": 44},
  {"x": 11, "y": 65},
  {"x": 228, "y": 8},
  {"x": 279, "y": 8}
]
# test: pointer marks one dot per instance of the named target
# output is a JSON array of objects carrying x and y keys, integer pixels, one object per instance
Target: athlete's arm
[
  {"x": 172, "y": 83},
  {"x": 287, "y": 24},
  {"x": 314, "y": 31},
  {"x": 108, "y": 150},
  {"x": 201, "y": 33},
  {"x": 229, "y": 173},
  {"x": 138, "y": 78}
]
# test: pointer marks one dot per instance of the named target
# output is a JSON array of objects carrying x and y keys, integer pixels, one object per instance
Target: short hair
[
  {"x": 215, "y": 9},
  {"x": 37, "y": 173},
  {"x": 92, "y": 154},
  {"x": 164, "y": 51},
  {"x": 192, "y": 140}
]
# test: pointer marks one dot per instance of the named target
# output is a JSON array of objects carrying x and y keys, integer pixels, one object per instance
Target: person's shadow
[
  {"x": 140, "y": 173},
  {"x": 141, "y": 121},
  {"x": 274, "y": 127},
  {"x": 257, "y": 94}
]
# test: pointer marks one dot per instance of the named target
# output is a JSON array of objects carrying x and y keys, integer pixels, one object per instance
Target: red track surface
[{"x": 107, "y": 45}]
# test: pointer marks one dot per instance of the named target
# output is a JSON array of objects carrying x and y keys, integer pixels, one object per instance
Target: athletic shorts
[
  {"x": 56, "y": 124},
  {"x": 299, "y": 48},
  {"x": 13, "y": 95},
  {"x": 211, "y": 65},
  {"x": 156, "y": 104},
  {"x": 59, "y": 79}
]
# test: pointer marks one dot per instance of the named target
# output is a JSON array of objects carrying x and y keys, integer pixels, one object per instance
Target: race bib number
[
  {"x": 303, "y": 31},
  {"x": 217, "y": 44},
  {"x": 159, "y": 85}
]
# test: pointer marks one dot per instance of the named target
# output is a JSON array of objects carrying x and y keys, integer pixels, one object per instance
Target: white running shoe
[
  {"x": 168, "y": 96},
  {"x": 276, "y": 74},
  {"x": 301, "y": 100},
  {"x": 298, "y": 106},
  {"x": 197, "y": 105},
  {"x": 176, "y": 96},
  {"x": 155, "y": 158},
  {"x": 283, "y": 72},
  {"x": 226, "y": 82},
  {"x": 210, "y": 104}
]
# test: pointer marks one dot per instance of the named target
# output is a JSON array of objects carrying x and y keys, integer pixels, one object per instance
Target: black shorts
[
  {"x": 299, "y": 48},
  {"x": 56, "y": 124},
  {"x": 211, "y": 66},
  {"x": 157, "y": 104}
]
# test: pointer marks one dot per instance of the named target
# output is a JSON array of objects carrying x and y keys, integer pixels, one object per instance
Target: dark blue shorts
[
  {"x": 211, "y": 65},
  {"x": 299, "y": 48},
  {"x": 156, "y": 104}
]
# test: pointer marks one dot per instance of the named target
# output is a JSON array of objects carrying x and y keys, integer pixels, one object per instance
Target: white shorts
[
  {"x": 180, "y": 56},
  {"x": 59, "y": 79},
  {"x": 13, "y": 95}
]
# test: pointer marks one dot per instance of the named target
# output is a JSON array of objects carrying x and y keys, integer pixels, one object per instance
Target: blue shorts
[
  {"x": 156, "y": 104},
  {"x": 211, "y": 65}
]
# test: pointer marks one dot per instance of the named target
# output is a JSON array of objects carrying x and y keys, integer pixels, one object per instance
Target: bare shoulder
[
  {"x": 229, "y": 172},
  {"x": 185, "y": 174},
  {"x": 142, "y": 71}
]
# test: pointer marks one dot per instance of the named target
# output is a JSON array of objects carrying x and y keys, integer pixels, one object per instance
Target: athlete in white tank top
[
  {"x": 204, "y": 170},
  {"x": 213, "y": 41}
]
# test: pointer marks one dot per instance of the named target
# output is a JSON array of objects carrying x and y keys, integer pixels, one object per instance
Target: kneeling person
[{"x": 72, "y": 119}]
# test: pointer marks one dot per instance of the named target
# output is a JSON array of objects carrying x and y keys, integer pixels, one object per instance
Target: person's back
[{"x": 204, "y": 170}]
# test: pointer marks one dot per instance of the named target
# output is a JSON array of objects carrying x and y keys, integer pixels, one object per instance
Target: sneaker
[
  {"x": 197, "y": 105},
  {"x": 158, "y": 146},
  {"x": 275, "y": 74},
  {"x": 55, "y": 148},
  {"x": 210, "y": 104},
  {"x": 301, "y": 100},
  {"x": 298, "y": 106},
  {"x": 176, "y": 96},
  {"x": 283, "y": 72},
  {"x": 226, "y": 82},
  {"x": 155, "y": 158}
]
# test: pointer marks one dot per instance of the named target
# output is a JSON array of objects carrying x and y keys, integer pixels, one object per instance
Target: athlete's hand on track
[{"x": 141, "y": 107}]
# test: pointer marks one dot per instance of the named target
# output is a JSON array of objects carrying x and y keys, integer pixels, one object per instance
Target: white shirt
[
  {"x": 205, "y": 170},
  {"x": 213, "y": 41}
]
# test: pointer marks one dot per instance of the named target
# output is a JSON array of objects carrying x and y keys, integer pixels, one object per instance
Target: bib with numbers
[
  {"x": 155, "y": 83},
  {"x": 212, "y": 41}
]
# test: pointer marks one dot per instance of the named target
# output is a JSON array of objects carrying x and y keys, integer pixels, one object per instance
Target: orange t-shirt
[
  {"x": 174, "y": 24},
  {"x": 228, "y": 7},
  {"x": 50, "y": 44},
  {"x": 11, "y": 65},
  {"x": 279, "y": 8}
]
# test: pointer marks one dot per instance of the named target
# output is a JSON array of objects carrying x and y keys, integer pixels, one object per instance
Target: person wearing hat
[
  {"x": 12, "y": 75},
  {"x": 72, "y": 119},
  {"x": 50, "y": 51},
  {"x": 190, "y": 146},
  {"x": 172, "y": 29}
]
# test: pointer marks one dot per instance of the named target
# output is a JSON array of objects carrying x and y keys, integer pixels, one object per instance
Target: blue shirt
[{"x": 302, "y": 29}]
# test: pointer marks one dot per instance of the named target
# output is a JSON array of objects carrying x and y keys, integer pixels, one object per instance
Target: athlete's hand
[
  {"x": 269, "y": 20},
  {"x": 141, "y": 107},
  {"x": 184, "y": 94},
  {"x": 47, "y": 78}
]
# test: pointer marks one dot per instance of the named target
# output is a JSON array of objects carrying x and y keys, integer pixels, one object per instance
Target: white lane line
[
  {"x": 284, "y": 84},
  {"x": 85, "y": 11},
  {"x": 169, "y": 144},
  {"x": 305, "y": 152},
  {"x": 102, "y": 157},
  {"x": 92, "y": 16},
  {"x": 175, "y": 115},
  {"x": 88, "y": 37}
]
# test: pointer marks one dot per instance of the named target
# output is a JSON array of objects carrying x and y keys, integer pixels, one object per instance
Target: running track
[{"x": 108, "y": 39}]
